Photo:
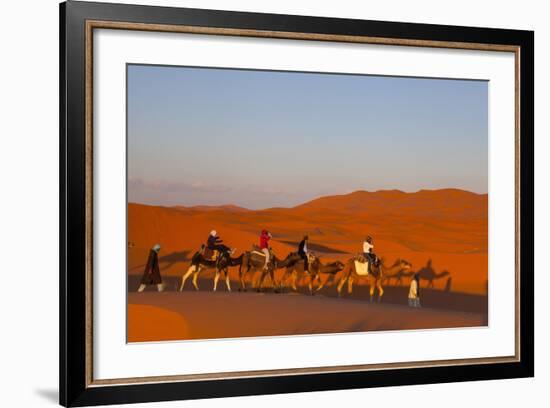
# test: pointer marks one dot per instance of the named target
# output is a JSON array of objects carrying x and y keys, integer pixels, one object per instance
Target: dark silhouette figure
[
  {"x": 428, "y": 273},
  {"x": 151, "y": 273},
  {"x": 448, "y": 284}
]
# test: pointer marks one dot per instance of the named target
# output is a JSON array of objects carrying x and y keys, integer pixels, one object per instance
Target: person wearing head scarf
[
  {"x": 151, "y": 274},
  {"x": 414, "y": 291}
]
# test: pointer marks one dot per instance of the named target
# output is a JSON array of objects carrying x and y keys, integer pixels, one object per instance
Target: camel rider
[
  {"x": 302, "y": 251},
  {"x": 368, "y": 246},
  {"x": 214, "y": 243},
  {"x": 265, "y": 236}
]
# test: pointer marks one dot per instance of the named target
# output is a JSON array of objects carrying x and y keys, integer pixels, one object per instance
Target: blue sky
[{"x": 263, "y": 139}]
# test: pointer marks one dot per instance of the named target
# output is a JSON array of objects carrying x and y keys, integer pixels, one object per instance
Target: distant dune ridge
[
  {"x": 226, "y": 207},
  {"x": 447, "y": 226}
]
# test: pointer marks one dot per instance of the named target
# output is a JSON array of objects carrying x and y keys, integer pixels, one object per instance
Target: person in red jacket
[{"x": 265, "y": 236}]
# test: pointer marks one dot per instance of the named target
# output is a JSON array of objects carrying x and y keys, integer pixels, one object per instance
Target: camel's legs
[
  {"x": 190, "y": 270},
  {"x": 216, "y": 279},
  {"x": 294, "y": 280},
  {"x": 227, "y": 281},
  {"x": 243, "y": 283},
  {"x": 372, "y": 287},
  {"x": 272, "y": 276},
  {"x": 255, "y": 279},
  {"x": 380, "y": 290},
  {"x": 319, "y": 283},
  {"x": 284, "y": 278},
  {"x": 310, "y": 284},
  {"x": 341, "y": 285},
  {"x": 266, "y": 272},
  {"x": 196, "y": 277},
  {"x": 315, "y": 280},
  {"x": 350, "y": 285},
  {"x": 261, "y": 279},
  {"x": 251, "y": 273},
  {"x": 247, "y": 272},
  {"x": 302, "y": 279},
  {"x": 328, "y": 282}
]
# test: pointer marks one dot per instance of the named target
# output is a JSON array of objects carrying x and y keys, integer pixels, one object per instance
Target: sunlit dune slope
[{"x": 448, "y": 227}]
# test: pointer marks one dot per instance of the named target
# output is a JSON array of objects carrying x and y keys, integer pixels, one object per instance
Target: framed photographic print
[{"x": 256, "y": 203}]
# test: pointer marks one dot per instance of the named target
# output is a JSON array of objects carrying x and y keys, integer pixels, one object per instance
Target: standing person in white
[{"x": 414, "y": 291}]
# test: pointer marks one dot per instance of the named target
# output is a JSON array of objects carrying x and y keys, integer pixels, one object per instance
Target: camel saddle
[
  {"x": 210, "y": 254},
  {"x": 362, "y": 265},
  {"x": 258, "y": 251}
]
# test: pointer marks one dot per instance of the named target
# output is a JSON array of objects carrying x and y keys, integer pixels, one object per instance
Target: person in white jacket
[
  {"x": 414, "y": 291},
  {"x": 368, "y": 246}
]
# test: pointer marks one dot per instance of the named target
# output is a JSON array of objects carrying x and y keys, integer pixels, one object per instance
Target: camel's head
[{"x": 405, "y": 265}]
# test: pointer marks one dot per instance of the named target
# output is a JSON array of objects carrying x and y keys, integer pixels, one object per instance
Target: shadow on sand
[
  {"x": 431, "y": 298},
  {"x": 168, "y": 260}
]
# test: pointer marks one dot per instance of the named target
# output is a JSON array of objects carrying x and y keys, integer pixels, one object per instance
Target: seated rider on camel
[
  {"x": 368, "y": 246},
  {"x": 265, "y": 236},
  {"x": 214, "y": 243}
]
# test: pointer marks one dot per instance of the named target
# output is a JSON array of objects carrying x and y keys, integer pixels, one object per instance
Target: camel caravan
[{"x": 261, "y": 262}]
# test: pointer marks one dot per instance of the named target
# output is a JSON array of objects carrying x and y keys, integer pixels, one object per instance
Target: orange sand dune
[
  {"x": 448, "y": 227},
  {"x": 206, "y": 315},
  {"x": 154, "y": 323}
]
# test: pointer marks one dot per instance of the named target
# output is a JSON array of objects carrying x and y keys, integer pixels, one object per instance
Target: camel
[
  {"x": 199, "y": 262},
  {"x": 296, "y": 270},
  {"x": 316, "y": 268},
  {"x": 428, "y": 273},
  {"x": 398, "y": 276},
  {"x": 255, "y": 260},
  {"x": 358, "y": 268},
  {"x": 430, "y": 277},
  {"x": 223, "y": 263}
]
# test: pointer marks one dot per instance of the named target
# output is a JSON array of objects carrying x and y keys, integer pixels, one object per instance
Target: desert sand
[
  {"x": 446, "y": 229},
  {"x": 205, "y": 315}
]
